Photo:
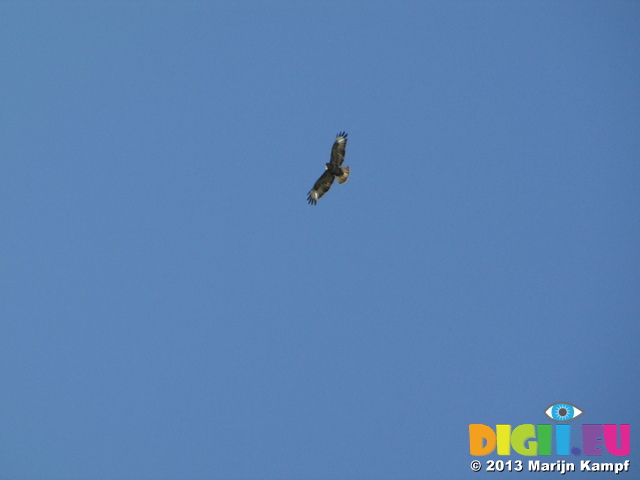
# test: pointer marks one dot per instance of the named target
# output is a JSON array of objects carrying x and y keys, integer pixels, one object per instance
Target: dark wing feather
[
  {"x": 338, "y": 150},
  {"x": 321, "y": 187}
]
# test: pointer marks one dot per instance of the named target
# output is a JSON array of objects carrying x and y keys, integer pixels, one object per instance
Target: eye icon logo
[{"x": 563, "y": 412}]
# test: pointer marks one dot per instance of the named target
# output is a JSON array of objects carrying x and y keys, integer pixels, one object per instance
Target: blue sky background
[{"x": 172, "y": 307}]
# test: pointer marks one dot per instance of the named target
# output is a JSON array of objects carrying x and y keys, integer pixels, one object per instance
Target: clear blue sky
[{"x": 172, "y": 307}]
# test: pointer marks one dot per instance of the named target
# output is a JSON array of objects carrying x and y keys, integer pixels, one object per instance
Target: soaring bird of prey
[{"x": 334, "y": 169}]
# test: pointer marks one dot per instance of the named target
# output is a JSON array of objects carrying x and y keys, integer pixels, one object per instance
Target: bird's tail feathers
[{"x": 345, "y": 175}]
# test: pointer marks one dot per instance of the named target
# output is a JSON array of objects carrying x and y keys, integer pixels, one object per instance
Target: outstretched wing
[
  {"x": 321, "y": 187},
  {"x": 338, "y": 150}
]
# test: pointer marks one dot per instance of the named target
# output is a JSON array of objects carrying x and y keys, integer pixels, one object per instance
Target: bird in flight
[{"x": 334, "y": 169}]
